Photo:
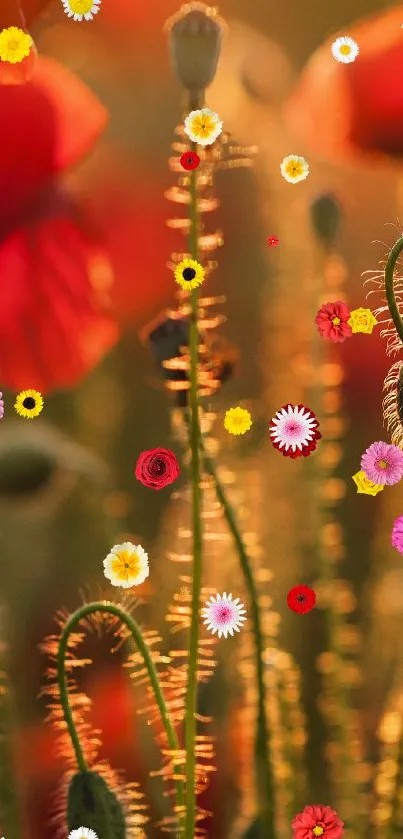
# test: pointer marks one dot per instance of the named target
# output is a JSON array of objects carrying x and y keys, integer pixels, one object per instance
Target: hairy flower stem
[
  {"x": 195, "y": 437},
  {"x": 389, "y": 289},
  {"x": 264, "y": 774},
  {"x": 135, "y": 631}
]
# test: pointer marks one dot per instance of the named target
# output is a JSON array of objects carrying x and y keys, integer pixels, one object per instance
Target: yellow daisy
[
  {"x": 294, "y": 168},
  {"x": 29, "y": 403},
  {"x": 81, "y": 9},
  {"x": 203, "y": 126},
  {"x": 189, "y": 274},
  {"x": 362, "y": 320},
  {"x": 365, "y": 486},
  {"x": 15, "y": 44},
  {"x": 126, "y": 565},
  {"x": 237, "y": 421}
]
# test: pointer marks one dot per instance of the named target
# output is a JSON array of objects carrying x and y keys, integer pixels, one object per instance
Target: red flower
[
  {"x": 157, "y": 468},
  {"x": 122, "y": 204},
  {"x": 317, "y": 820},
  {"x": 189, "y": 160},
  {"x": 52, "y": 327},
  {"x": 331, "y": 321},
  {"x": 272, "y": 241},
  {"x": 348, "y": 111},
  {"x": 301, "y": 599}
]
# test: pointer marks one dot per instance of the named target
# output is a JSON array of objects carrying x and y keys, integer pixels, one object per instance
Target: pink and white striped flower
[
  {"x": 294, "y": 431},
  {"x": 223, "y": 615}
]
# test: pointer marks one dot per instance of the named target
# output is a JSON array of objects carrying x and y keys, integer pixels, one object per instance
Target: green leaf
[{"x": 92, "y": 804}]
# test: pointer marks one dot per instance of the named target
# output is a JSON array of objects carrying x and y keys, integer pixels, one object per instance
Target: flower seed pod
[
  {"x": 91, "y": 803},
  {"x": 195, "y": 34}
]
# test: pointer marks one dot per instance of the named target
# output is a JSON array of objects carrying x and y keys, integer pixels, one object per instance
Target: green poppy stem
[
  {"x": 389, "y": 286},
  {"x": 263, "y": 765},
  {"x": 135, "y": 631},
  {"x": 194, "y": 440}
]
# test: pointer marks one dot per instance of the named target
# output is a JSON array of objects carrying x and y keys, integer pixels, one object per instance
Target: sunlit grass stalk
[
  {"x": 346, "y": 770},
  {"x": 263, "y": 766},
  {"x": 197, "y": 528},
  {"x": 136, "y": 634}
]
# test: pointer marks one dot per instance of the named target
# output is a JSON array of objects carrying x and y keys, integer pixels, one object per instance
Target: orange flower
[{"x": 350, "y": 110}]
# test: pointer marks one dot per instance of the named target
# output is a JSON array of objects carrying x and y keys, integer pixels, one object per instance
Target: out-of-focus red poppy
[
  {"x": 52, "y": 328},
  {"x": 130, "y": 212},
  {"x": 20, "y": 12},
  {"x": 356, "y": 109}
]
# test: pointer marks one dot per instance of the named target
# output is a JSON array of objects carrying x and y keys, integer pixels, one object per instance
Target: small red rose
[
  {"x": 157, "y": 468},
  {"x": 189, "y": 160},
  {"x": 272, "y": 241},
  {"x": 301, "y": 599}
]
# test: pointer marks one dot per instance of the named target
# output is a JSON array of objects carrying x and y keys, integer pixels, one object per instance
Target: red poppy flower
[
  {"x": 130, "y": 212},
  {"x": 354, "y": 109},
  {"x": 301, "y": 599},
  {"x": 315, "y": 821},
  {"x": 272, "y": 241},
  {"x": 157, "y": 468},
  {"x": 331, "y": 321},
  {"x": 189, "y": 160},
  {"x": 52, "y": 327}
]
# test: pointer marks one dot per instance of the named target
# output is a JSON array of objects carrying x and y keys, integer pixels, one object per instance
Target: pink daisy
[
  {"x": 317, "y": 820},
  {"x": 383, "y": 463},
  {"x": 397, "y": 534},
  {"x": 1, "y": 405},
  {"x": 223, "y": 615},
  {"x": 294, "y": 431}
]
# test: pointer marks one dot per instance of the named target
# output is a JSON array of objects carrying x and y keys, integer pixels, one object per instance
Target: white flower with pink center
[
  {"x": 294, "y": 431},
  {"x": 223, "y": 615}
]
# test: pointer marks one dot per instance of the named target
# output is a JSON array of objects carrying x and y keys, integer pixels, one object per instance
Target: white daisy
[
  {"x": 294, "y": 431},
  {"x": 223, "y": 614},
  {"x": 83, "y": 833},
  {"x": 126, "y": 565},
  {"x": 294, "y": 168},
  {"x": 81, "y": 9},
  {"x": 203, "y": 126},
  {"x": 345, "y": 49}
]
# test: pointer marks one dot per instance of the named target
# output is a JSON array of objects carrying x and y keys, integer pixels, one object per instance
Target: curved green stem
[
  {"x": 135, "y": 631},
  {"x": 264, "y": 773},
  {"x": 195, "y": 437},
  {"x": 390, "y": 292}
]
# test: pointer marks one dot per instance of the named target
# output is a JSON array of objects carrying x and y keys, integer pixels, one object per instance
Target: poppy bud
[
  {"x": 195, "y": 43},
  {"x": 92, "y": 803},
  {"x": 326, "y": 217}
]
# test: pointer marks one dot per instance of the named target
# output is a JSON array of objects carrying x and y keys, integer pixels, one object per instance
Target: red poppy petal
[
  {"x": 79, "y": 116},
  {"x": 130, "y": 212},
  {"x": 349, "y": 111},
  {"x": 52, "y": 332},
  {"x": 63, "y": 117}
]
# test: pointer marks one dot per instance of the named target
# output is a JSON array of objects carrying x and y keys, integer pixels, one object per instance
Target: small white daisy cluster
[
  {"x": 223, "y": 615},
  {"x": 81, "y": 9},
  {"x": 345, "y": 49}
]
